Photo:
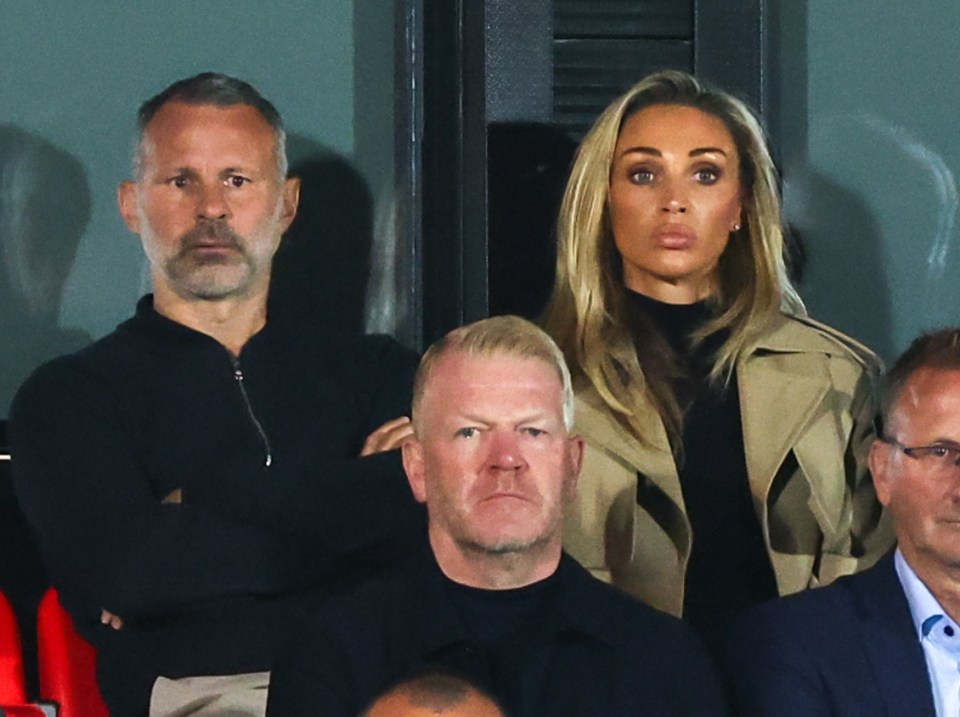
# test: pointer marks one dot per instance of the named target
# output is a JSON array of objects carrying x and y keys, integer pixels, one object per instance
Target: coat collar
[
  {"x": 596, "y": 424},
  {"x": 783, "y": 378}
]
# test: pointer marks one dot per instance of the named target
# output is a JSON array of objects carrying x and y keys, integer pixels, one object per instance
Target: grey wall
[{"x": 869, "y": 103}]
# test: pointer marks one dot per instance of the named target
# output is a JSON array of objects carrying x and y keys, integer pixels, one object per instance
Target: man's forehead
[
  {"x": 203, "y": 138},
  {"x": 492, "y": 388},
  {"x": 205, "y": 112},
  {"x": 178, "y": 122},
  {"x": 458, "y": 369},
  {"x": 928, "y": 395},
  {"x": 927, "y": 384}
]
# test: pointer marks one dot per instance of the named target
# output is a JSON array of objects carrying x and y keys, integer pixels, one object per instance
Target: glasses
[{"x": 938, "y": 459}]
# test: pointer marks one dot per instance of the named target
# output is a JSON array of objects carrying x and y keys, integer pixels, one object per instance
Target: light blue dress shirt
[{"x": 939, "y": 636}]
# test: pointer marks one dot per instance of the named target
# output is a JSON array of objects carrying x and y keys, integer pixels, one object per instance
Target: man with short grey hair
[
  {"x": 494, "y": 598},
  {"x": 199, "y": 475}
]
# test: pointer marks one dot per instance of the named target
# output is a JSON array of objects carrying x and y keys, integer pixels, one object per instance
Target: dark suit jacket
[{"x": 848, "y": 650}]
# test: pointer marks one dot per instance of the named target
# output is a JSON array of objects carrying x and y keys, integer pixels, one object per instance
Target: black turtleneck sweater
[{"x": 729, "y": 568}]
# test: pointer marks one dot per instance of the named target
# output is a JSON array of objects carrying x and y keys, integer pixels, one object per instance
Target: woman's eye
[
  {"x": 707, "y": 175},
  {"x": 641, "y": 176}
]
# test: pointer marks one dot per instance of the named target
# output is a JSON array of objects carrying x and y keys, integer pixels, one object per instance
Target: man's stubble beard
[
  {"x": 212, "y": 277},
  {"x": 501, "y": 546}
]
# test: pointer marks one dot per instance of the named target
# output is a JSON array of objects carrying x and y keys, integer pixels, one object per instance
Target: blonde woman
[{"x": 727, "y": 433}]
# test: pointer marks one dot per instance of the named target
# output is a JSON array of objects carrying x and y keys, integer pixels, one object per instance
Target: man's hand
[
  {"x": 175, "y": 497},
  {"x": 389, "y": 436},
  {"x": 108, "y": 618}
]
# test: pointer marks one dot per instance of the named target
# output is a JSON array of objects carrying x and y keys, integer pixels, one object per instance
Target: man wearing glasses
[{"x": 886, "y": 641}]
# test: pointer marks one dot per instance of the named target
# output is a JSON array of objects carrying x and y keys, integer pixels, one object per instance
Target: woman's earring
[{"x": 736, "y": 226}]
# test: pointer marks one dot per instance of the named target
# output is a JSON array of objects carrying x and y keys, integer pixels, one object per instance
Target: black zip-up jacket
[{"x": 276, "y": 509}]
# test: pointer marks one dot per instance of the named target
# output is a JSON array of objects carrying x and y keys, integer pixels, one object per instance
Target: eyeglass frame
[{"x": 914, "y": 452}]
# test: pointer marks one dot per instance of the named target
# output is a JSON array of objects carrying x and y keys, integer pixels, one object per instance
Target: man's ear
[
  {"x": 576, "y": 462},
  {"x": 291, "y": 200},
  {"x": 129, "y": 205},
  {"x": 879, "y": 462},
  {"x": 412, "y": 453}
]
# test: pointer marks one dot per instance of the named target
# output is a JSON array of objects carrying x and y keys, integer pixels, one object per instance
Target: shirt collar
[{"x": 924, "y": 608}]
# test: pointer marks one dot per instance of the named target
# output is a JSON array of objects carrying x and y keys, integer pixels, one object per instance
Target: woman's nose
[{"x": 672, "y": 199}]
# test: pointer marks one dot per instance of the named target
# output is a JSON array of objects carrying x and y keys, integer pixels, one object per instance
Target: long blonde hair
[{"x": 586, "y": 314}]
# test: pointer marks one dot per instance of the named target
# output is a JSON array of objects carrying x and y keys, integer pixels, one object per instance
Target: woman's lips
[{"x": 675, "y": 236}]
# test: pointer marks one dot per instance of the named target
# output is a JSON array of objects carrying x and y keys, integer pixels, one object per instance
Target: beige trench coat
[{"x": 807, "y": 406}]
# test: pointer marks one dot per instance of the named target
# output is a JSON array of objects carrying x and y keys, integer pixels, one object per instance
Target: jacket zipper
[{"x": 238, "y": 376}]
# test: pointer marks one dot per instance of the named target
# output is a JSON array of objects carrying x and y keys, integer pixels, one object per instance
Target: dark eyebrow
[
  {"x": 657, "y": 153},
  {"x": 641, "y": 150},
  {"x": 707, "y": 150}
]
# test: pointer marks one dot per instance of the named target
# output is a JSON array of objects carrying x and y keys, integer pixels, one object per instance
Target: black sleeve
[
  {"x": 355, "y": 508},
  {"x": 700, "y": 691},
  {"x": 386, "y": 381},
  {"x": 107, "y": 540},
  {"x": 770, "y": 670},
  {"x": 312, "y": 677}
]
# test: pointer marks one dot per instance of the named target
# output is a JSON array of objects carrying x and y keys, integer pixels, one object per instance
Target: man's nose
[
  {"x": 505, "y": 452},
  {"x": 212, "y": 202}
]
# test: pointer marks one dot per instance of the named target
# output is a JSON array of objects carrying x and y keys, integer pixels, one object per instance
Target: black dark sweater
[
  {"x": 729, "y": 568},
  {"x": 570, "y": 646},
  {"x": 212, "y": 585}
]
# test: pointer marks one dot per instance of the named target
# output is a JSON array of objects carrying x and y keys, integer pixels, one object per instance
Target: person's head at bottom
[{"x": 434, "y": 692}]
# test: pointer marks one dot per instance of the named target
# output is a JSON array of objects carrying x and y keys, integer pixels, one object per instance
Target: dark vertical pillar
[
  {"x": 728, "y": 47},
  {"x": 454, "y": 288}
]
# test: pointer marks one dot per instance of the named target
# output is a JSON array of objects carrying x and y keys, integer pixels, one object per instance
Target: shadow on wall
[
  {"x": 851, "y": 291},
  {"x": 528, "y": 164},
  {"x": 321, "y": 271},
  {"x": 44, "y": 210}
]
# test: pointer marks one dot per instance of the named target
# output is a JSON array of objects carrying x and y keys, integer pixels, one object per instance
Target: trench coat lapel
[
  {"x": 779, "y": 395},
  {"x": 653, "y": 459},
  {"x": 782, "y": 381}
]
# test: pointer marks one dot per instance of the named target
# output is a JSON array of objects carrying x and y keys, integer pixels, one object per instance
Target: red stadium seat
[
  {"x": 13, "y": 690},
  {"x": 22, "y": 711},
  {"x": 67, "y": 663}
]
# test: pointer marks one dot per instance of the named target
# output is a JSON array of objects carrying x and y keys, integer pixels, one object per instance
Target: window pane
[{"x": 867, "y": 128}]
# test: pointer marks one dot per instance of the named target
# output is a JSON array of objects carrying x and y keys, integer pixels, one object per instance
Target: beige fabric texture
[{"x": 243, "y": 695}]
